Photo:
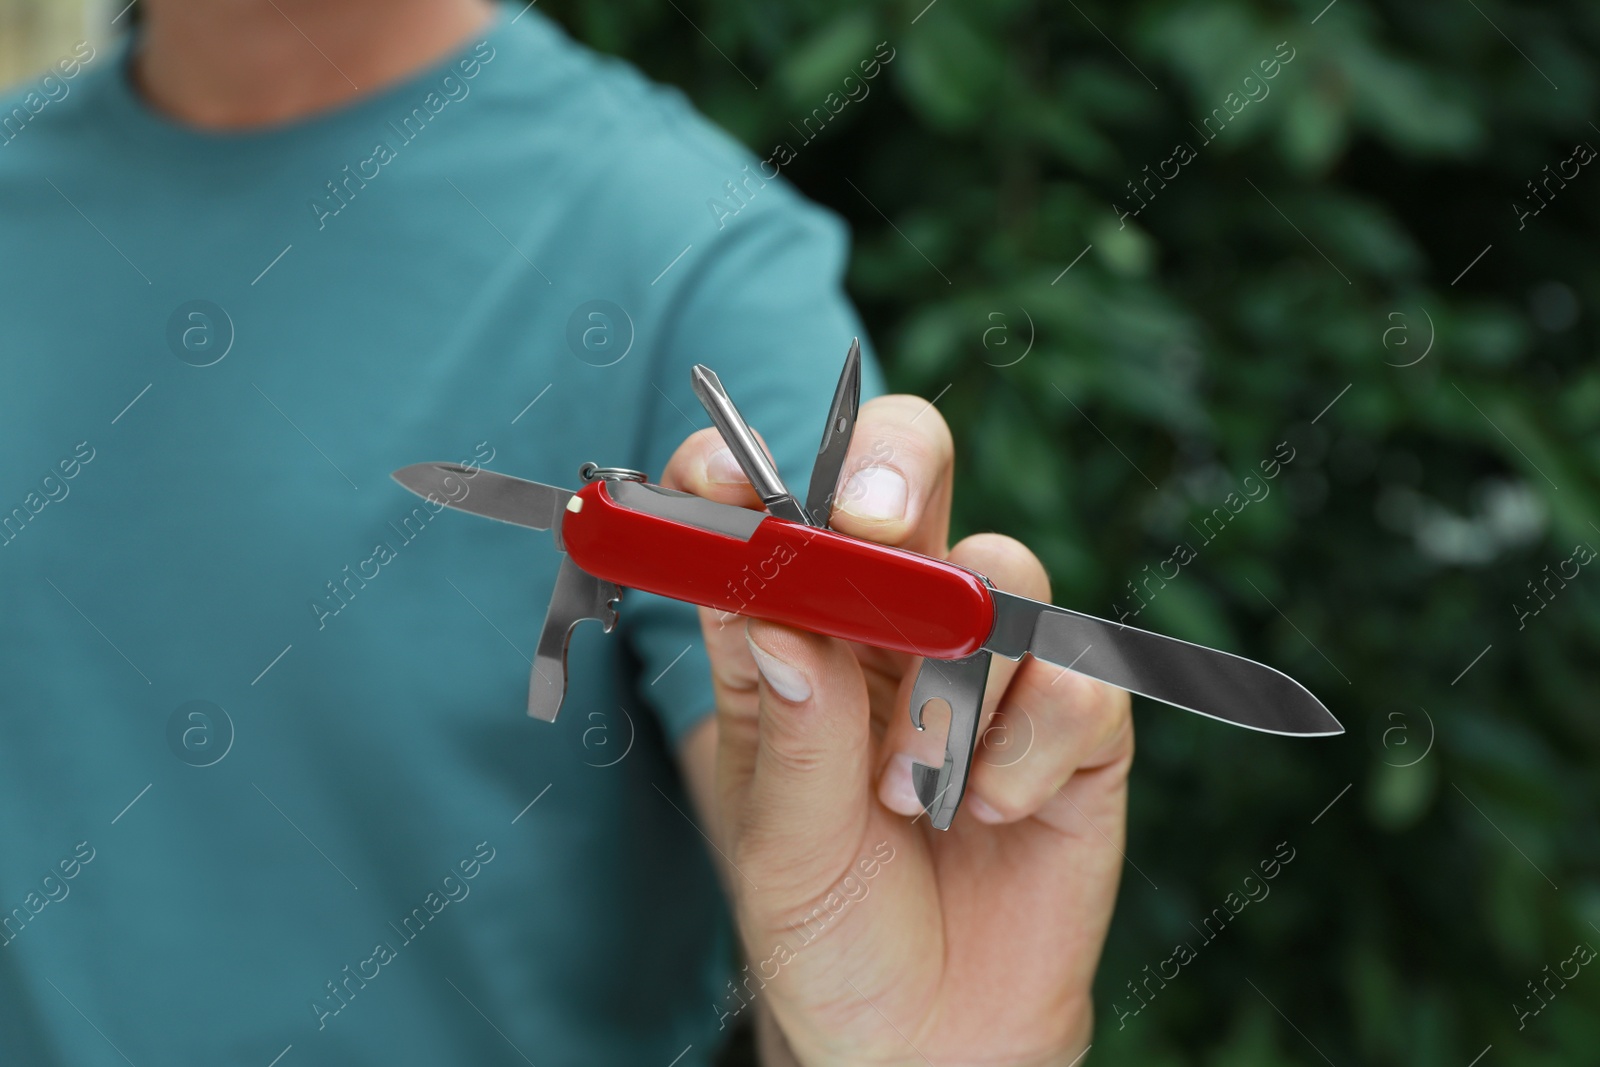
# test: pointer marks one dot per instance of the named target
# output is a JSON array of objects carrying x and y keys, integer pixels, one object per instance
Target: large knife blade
[
  {"x": 1206, "y": 681},
  {"x": 483, "y": 492},
  {"x": 836, "y": 435}
]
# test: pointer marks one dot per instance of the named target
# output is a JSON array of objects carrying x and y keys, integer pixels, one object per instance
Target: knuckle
[
  {"x": 1119, "y": 717},
  {"x": 1111, "y": 710},
  {"x": 733, "y": 676},
  {"x": 1076, "y": 694},
  {"x": 791, "y": 758},
  {"x": 1109, "y": 706},
  {"x": 1019, "y": 790},
  {"x": 1007, "y": 562},
  {"x": 911, "y": 426},
  {"x": 738, "y": 726},
  {"x": 1101, "y": 712}
]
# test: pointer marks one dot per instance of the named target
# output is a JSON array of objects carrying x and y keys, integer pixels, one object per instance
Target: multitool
[{"x": 787, "y": 565}]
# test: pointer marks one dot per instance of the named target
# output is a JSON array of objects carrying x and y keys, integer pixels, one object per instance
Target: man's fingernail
[
  {"x": 982, "y": 811},
  {"x": 896, "y": 790},
  {"x": 877, "y": 494},
  {"x": 785, "y": 680},
  {"x": 723, "y": 468}
]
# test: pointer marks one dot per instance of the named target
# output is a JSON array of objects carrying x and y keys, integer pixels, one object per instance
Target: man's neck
[{"x": 234, "y": 64}]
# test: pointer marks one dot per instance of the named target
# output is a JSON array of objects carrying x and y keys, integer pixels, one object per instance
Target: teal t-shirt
[{"x": 267, "y": 783}]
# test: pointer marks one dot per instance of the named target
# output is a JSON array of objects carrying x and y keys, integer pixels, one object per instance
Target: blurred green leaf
[
  {"x": 813, "y": 69},
  {"x": 949, "y": 73}
]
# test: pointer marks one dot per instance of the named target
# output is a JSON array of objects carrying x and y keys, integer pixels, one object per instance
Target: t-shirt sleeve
[{"x": 765, "y": 308}]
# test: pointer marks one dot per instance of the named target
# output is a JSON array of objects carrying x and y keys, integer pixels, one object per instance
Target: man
[{"x": 268, "y": 788}]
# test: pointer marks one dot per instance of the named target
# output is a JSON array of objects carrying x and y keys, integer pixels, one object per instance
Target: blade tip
[
  {"x": 1332, "y": 727},
  {"x": 423, "y": 473},
  {"x": 1325, "y": 726},
  {"x": 412, "y": 475}
]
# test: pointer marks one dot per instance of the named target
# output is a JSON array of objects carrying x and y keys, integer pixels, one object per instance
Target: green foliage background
[{"x": 1170, "y": 360}]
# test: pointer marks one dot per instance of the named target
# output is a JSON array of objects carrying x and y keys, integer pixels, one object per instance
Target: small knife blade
[
  {"x": 483, "y": 492},
  {"x": 1203, "y": 680},
  {"x": 835, "y": 439}
]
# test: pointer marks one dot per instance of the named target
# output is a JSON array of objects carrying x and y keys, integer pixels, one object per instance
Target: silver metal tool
[
  {"x": 960, "y": 684},
  {"x": 578, "y": 595},
  {"x": 742, "y": 442},
  {"x": 494, "y": 496},
  {"x": 1206, "y": 681},
  {"x": 836, "y": 436}
]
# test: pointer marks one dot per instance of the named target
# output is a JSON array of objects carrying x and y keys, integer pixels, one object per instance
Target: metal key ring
[{"x": 591, "y": 472}]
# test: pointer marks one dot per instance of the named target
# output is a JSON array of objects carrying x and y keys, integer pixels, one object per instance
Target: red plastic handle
[{"x": 784, "y": 572}]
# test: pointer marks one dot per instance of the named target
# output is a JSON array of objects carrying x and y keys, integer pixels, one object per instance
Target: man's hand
[{"x": 873, "y": 938}]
